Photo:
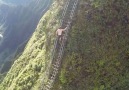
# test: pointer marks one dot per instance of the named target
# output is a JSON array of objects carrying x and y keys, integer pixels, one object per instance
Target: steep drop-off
[
  {"x": 17, "y": 23},
  {"x": 27, "y": 71}
]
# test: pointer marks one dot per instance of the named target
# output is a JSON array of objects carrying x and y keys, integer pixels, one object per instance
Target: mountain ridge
[
  {"x": 96, "y": 55},
  {"x": 17, "y": 26}
]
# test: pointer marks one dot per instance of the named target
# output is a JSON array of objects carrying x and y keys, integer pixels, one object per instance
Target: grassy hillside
[
  {"x": 27, "y": 69},
  {"x": 17, "y": 25},
  {"x": 96, "y": 55}
]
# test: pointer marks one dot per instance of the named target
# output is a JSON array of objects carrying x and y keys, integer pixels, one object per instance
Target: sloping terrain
[
  {"x": 17, "y": 25},
  {"x": 36, "y": 54},
  {"x": 96, "y": 55}
]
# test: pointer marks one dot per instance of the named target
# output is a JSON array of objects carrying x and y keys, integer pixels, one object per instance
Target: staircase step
[
  {"x": 47, "y": 89},
  {"x": 49, "y": 83},
  {"x": 48, "y": 86},
  {"x": 56, "y": 69},
  {"x": 52, "y": 78},
  {"x": 59, "y": 56},
  {"x": 55, "y": 65},
  {"x": 54, "y": 74},
  {"x": 58, "y": 61}
]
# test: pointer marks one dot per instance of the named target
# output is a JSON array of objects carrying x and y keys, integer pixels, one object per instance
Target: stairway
[{"x": 58, "y": 51}]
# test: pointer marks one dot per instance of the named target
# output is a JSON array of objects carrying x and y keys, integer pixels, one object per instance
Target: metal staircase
[{"x": 58, "y": 50}]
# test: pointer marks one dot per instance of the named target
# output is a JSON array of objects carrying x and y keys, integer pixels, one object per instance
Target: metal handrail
[
  {"x": 61, "y": 22},
  {"x": 61, "y": 48},
  {"x": 56, "y": 40}
]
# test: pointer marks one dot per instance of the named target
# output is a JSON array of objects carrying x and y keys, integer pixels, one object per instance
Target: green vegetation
[
  {"x": 28, "y": 69},
  {"x": 96, "y": 55}
]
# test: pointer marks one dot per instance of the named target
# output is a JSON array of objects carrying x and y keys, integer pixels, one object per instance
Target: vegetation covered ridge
[
  {"x": 97, "y": 53},
  {"x": 27, "y": 71}
]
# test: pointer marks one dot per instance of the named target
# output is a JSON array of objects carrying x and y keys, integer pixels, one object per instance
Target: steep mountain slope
[
  {"x": 36, "y": 55},
  {"x": 96, "y": 55},
  {"x": 17, "y": 25},
  {"x": 20, "y": 19}
]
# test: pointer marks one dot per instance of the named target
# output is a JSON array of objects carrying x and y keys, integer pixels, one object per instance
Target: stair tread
[{"x": 48, "y": 86}]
